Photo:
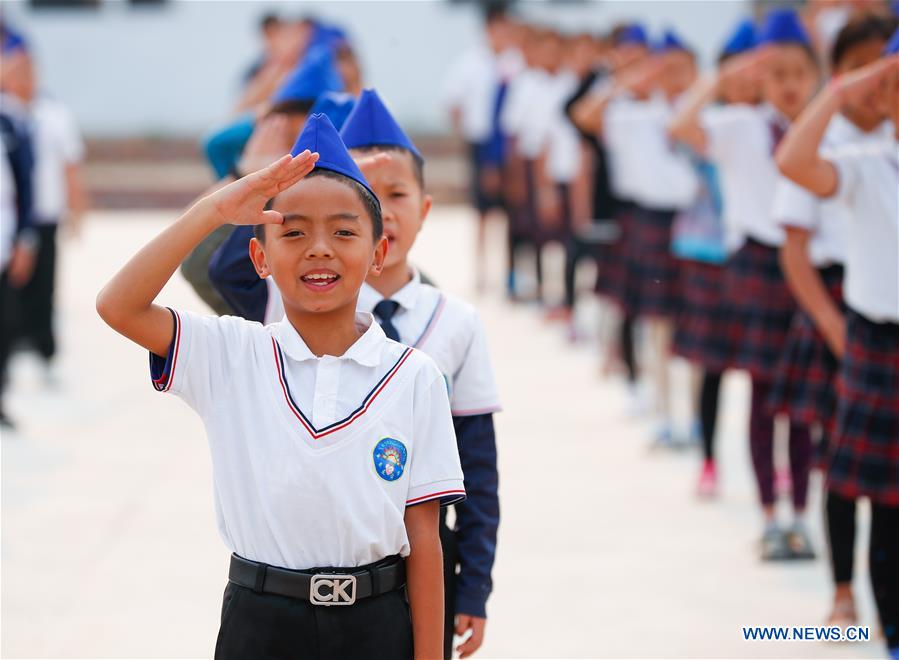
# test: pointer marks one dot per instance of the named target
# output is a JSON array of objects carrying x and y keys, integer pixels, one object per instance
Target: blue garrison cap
[
  {"x": 743, "y": 38},
  {"x": 319, "y": 135},
  {"x": 892, "y": 46},
  {"x": 370, "y": 123},
  {"x": 633, "y": 34},
  {"x": 312, "y": 77},
  {"x": 336, "y": 106},
  {"x": 13, "y": 41},
  {"x": 670, "y": 41},
  {"x": 328, "y": 35},
  {"x": 782, "y": 26}
]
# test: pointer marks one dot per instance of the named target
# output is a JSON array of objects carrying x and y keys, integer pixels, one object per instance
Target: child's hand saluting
[{"x": 243, "y": 202}]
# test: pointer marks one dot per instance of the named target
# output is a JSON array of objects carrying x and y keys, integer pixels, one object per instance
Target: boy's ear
[
  {"x": 426, "y": 202},
  {"x": 257, "y": 256},
  {"x": 377, "y": 262}
]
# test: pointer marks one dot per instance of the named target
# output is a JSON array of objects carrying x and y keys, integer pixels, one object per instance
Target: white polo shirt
[
  {"x": 658, "y": 176},
  {"x": 57, "y": 144},
  {"x": 869, "y": 186},
  {"x": 314, "y": 459},
  {"x": 740, "y": 143},
  {"x": 450, "y": 331},
  {"x": 826, "y": 219},
  {"x": 471, "y": 85},
  {"x": 622, "y": 159},
  {"x": 524, "y": 90},
  {"x": 563, "y": 143},
  {"x": 447, "y": 329}
]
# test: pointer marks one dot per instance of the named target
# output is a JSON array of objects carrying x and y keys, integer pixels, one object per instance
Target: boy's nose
[{"x": 320, "y": 247}]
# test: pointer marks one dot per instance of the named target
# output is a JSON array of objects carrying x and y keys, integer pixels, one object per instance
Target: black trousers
[
  {"x": 257, "y": 625},
  {"x": 450, "y": 563},
  {"x": 36, "y": 304},
  {"x": 8, "y": 320}
]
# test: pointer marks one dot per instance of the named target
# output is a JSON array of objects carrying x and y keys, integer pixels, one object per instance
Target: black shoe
[{"x": 6, "y": 422}]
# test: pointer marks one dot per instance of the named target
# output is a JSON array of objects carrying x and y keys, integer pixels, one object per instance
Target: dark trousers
[
  {"x": 841, "y": 536},
  {"x": 8, "y": 316},
  {"x": 37, "y": 296},
  {"x": 257, "y": 625},
  {"x": 450, "y": 563},
  {"x": 884, "y": 568}
]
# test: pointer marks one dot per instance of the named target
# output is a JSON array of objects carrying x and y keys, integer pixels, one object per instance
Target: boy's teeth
[{"x": 320, "y": 276}]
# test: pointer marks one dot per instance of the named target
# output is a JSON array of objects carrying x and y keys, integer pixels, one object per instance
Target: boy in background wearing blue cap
[
  {"x": 699, "y": 245},
  {"x": 422, "y": 316},
  {"x": 332, "y": 445},
  {"x": 863, "y": 452},
  {"x": 813, "y": 257},
  {"x": 741, "y": 140},
  {"x": 313, "y": 84}
]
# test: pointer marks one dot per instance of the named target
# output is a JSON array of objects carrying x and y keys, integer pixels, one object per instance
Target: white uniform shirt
[
  {"x": 658, "y": 177},
  {"x": 869, "y": 186},
  {"x": 449, "y": 330},
  {"x": 471, "y": 86},
  {"x": 826, "y": 219},
  {"x": 57, "y": 144},
  {"x": 446, "y": 328},
  {"x": 537, "y": 117},
  {"x": 314, "y": 459},
  {"x": 622, "y": 159},
  {"x": 740, "y": 143},
  {"x": 522, "y": 88},
  {"x": 563, "y": 142}
]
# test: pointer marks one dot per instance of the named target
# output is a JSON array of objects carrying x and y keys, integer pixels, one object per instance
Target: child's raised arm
[
  {"x": 797, "y": 155},
  {"x": 126, "y": 302}
]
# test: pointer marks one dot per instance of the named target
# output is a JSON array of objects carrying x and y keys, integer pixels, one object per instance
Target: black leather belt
[{"x": 331, "y": 586}]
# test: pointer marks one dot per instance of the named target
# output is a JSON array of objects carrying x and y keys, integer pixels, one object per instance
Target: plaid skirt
[
  {"x": 611, "y": 274},
  {"x": 805, "y": 383},
  {"x": 864, "y": 452},
  {"x": 650, "y": 283},
  {"x": 699, "y": 335},
  {"x": 761, "y": 310}
]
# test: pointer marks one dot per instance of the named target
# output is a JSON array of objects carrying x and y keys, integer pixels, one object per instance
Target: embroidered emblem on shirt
[{"x": 390, "y": 459}]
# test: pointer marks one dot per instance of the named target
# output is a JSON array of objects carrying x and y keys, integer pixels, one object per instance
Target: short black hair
[
  {"x": 268, "y": 20},
  {"x": 292, "y": 107},
  {"x": 369, "y": 201},
  {"x": 858, "y": 31},
  {"x": 418, "y": 163}
]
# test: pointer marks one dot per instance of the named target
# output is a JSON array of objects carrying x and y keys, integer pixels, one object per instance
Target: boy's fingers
[{"x": 271, "y": 218}]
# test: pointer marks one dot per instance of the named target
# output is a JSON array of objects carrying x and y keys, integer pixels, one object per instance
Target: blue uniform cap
[
  {"x": 312, "y": 77},
  {"x": 336, "y": 106},
  {"x": 892, "y": 46},
  {"x": 319, "y": 135},
  {"x": 13, "y": 41},
  {"x": 328, "y": 35},
  {"x": 633, "y": 34},
  {"x": 742, "y": 39},
  {"x": 782, "y": 26},
  {"x": 670, "y": 41},
  {"x": 370, "y": 123}
]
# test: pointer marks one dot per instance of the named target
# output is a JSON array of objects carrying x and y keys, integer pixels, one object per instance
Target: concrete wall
[{"x": 172, "y": 70}]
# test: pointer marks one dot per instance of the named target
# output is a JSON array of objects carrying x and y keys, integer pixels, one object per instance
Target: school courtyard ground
[{"x": 109, "y": 546}]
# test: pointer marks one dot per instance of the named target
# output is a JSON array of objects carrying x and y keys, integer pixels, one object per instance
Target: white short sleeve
[
  {"x": 726, "y": 129},
  {"x": 70, "y": 141},
  {"x": 794, "y": 206},
  {"x": 846, "y": 162},
  {"x": 474, "y": 389},
  {"x": 202, "y": 357},
  {"x": 436, "y": 472}
]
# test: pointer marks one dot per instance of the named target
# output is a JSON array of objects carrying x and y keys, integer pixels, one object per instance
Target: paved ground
[{"x": 604, "y": 551}]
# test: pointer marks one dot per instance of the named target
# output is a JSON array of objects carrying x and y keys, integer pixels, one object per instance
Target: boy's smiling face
[
  {"x": 404, "y": 205},
  {"x": 325, "y": 248}
]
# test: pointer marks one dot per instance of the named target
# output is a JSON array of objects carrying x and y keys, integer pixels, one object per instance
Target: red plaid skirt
[
  {"x": 805, "y": 383},
  {"x": 761, "y": 310},
  {"x": 864, "y": 452},
  {"x": 650, "y": 283},
  {"x": 611, "y": 274},
  {"x": 702, "y": 322}
]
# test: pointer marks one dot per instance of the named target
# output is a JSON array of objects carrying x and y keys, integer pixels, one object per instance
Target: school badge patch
[{"x": 390, "y": 459}]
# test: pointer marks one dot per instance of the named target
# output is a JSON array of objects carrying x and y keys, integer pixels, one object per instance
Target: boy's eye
[
  {"x": 397, "y": 195},
  {"x": 292, "y": 233},
  {"x": 345, "y": 232}
]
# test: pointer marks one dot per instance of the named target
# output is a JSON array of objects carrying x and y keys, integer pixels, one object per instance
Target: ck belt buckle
[{"x": 334, "y": 589}]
